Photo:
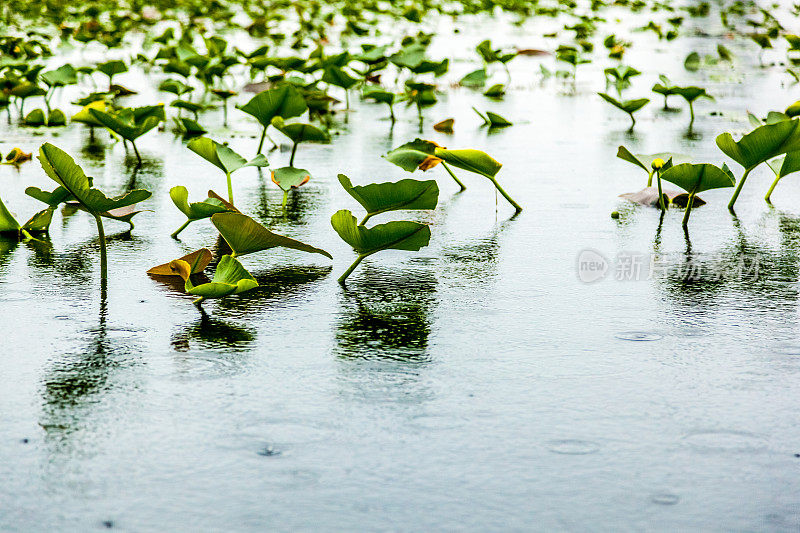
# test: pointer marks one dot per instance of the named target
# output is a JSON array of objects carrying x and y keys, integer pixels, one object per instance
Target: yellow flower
[{"x": 657, "y": 163}]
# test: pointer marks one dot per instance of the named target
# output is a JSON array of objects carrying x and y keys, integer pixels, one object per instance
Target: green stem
[
  {"x": 688, "y": 209},
  {"x": 691, "y": 113},
  {"x": 650, "y": 178},
  {"x": 738, "y": 189},
  {"x": 230, "y": 187},
  {"x": 633, "y": 121},
  {"x": 225, "y": 113},
  {"x": 353, "y": 267},
  {"x": 364, "y": 220},
  {"x": 294, "y": 150},
  {"x": 660, "y": 194},
  {"x": 285, "y": 197},
  {"x": 136, "y": 151},
  {"x": 391, "y": 113},
  {"x": 261, "y": 142},
  {"x": 183, "y": 227},
  {"x": 772, "y": 188},
  {"x": 103, "y": 256},
  {"x": 517, "y": 207},
  {"x": 447, "y": 168}
]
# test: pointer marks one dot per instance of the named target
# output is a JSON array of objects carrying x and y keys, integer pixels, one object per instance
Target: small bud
[
  {"x": 615, "y": 215},
  {"x": 657, "y": 163}
]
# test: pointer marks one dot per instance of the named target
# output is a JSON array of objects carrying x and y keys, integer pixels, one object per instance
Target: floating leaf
[{"x": 445, "y": 126}]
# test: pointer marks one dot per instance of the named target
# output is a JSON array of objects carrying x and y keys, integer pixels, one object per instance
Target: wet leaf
[
  {"x": 222, "y": 156},
  {"x": 701, "y": 177},
  {"x": 284, "y": 101},
  {"x": 197, "y": 261},
  {"x": 391, "y": 196},
  {"x": 245, "y": 236},
  {"x": 763, "y": 143},
  {"x": 396, "y": 235},
  {"x": 288, "y": 178},
  {"x": 417, "y": 154}
]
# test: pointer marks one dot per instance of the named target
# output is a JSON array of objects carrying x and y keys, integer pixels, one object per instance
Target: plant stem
[
  {"x": 772, "y": 188},
  {"x": 691, "y": 113},
  {"x": 633, "y": 121},
  {"x": 103, "y": 256},
  {"x": 660, "y": 194},
  {"x": 738, "y": 189},
  {"x": 294, "y": 150},
  {"x": 364, "y": 220},
  {"x": 447, "y": 168},
  {"x": 230, "y": 187},
  {"x": 353, "y": 267},
  {"x": 183, "y": 227},
  {"x": 688, "y": 209},
  {"x": 391, "y": 113},
  {"x": 225, "y": 113},
  {"x": 285, "y": 197},
  {"x": 517, "y": 207},
  {"x": 650, "y": 178},
  {"x": 261, "y": 142},
  {"x": 136, "y": 151}
]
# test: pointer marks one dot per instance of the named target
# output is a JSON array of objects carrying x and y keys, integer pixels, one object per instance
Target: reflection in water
[
  {"x": 274, "y": 286},
  {"x": 7, "y": 246},
  {"x": 212, "y": 334},
  {"x": 388, "y": 319},
  {"x": 77, "y": 381},
  {"x": 745, "y": 269}
]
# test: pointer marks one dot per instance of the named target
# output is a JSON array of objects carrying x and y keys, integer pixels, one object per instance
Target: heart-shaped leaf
[
  {"x": 245, "y": 236},
  {"x": 299, "y": 132},
  {"x": 288, "y": 178},
  {"x": 396, "y": 235},
  {"x": 695, "y": 178},
  {"x": 222, "y": 156},
  {"x": 763, "y": 143},
  {"x": 283, "y": 101},
  {"x": 391, "y": 196}
]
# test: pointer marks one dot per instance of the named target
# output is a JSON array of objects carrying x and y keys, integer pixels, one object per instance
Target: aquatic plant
[
  {"x": 379, "y": 198},
  {"x": 246, "y": 236},
  {"x": 493, "y": 120},
  {"x": 288, "y": 178},
  {"x": 62, "y": 169},
  {"x": 620, "y": 76},
  {"x": 763, "y": 143},
  {"x": 230, "y": 277},
  {"x": 628, "y": 106},
  {"x": 196, "y": 210},
  {"x": 284, "y": 101},
  {"x": 38, "y": 223},
  {"x": 130, "y": 123},
  {"x": 382, "y": 96},
  {"x": 300, "y": 132},
  {"x": 111, "y": 69},
  {"x": 695, "y": 178},
  {"x": 224, "y": 158},
  {"x": 782, "y": 166}
]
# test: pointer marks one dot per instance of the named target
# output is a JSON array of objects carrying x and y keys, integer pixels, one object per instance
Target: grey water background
[{"x": 477, "y": 384}]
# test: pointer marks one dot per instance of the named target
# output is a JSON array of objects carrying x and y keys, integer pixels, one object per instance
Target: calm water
[{"x": 477, "y": 384}]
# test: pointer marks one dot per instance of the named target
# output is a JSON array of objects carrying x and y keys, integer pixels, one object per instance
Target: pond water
[{"x": 477, "y": 384}]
